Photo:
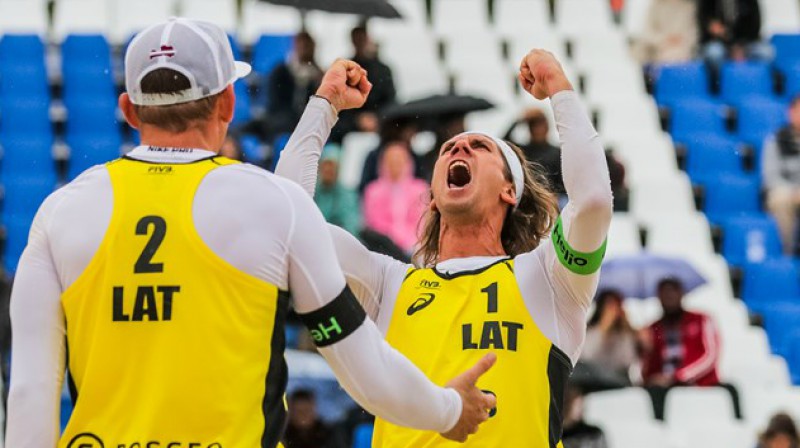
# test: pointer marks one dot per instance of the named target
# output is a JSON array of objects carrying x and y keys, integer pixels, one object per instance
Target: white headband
[{"x": 517, "y": 174}]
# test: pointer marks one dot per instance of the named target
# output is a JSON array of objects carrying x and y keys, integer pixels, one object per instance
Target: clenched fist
[
  {"x": 541, "y": 74},
  {"x": 345, "y": 85}
]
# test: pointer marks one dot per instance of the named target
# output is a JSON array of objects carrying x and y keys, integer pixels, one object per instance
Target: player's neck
[
  {"x": 477, "y": 238},
  {"x": 197, "y": 138}
]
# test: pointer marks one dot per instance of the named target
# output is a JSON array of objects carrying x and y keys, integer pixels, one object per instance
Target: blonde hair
[{"x": 524, "y": 226}]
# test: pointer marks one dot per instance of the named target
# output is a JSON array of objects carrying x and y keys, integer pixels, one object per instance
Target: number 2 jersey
[{"x": 166, "y": 341}]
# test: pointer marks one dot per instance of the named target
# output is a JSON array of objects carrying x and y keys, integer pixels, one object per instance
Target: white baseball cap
[{"x": 198, "y": 50}]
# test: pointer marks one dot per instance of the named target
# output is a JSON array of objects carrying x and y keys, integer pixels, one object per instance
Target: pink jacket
[{"x": 395, "y": 209}]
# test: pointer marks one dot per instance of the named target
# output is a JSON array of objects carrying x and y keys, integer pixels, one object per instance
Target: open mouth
[{"x": 458, "y": 175}]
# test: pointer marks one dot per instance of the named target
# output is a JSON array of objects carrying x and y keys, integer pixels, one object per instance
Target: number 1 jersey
[
  {"x": 444, "y": 323},
  {"x": 168, "y": 344}
]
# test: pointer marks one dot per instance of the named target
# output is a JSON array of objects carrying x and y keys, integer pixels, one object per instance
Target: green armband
[{"x": 580, "y": 263}]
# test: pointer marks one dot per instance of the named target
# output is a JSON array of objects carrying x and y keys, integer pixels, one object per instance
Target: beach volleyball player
[
  {"x": 160, "y": 281},
  {"x": 490, "y": 279}
]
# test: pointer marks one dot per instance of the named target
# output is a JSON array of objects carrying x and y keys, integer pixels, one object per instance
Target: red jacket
[{"x": 700, "y": 351}]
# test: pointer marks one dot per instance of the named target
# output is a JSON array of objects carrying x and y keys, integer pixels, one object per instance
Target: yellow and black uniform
[
  {"x": 444, "y": 323},
  {"x": 162, "y": 332}
]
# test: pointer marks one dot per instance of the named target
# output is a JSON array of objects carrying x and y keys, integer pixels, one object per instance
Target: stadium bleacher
[{"x": 67, "y": 61}]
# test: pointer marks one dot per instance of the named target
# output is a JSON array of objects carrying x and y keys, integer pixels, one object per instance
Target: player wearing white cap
[
  {"x": 160, "y": 282},
  {"x": 490, "y": 280}
]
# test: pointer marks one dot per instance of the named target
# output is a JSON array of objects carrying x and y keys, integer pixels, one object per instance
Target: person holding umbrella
[{"x": 489, "y": 279}]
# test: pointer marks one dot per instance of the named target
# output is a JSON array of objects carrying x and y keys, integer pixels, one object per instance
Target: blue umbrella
[{"x": 638, "y": 275}]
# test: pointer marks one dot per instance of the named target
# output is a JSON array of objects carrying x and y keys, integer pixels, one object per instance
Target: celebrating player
[
  {"x": 491, "y": 281},
  {"x": 160, "y": 281}
]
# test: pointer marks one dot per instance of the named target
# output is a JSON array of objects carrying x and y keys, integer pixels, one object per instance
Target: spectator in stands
[
  {"x": 730, "y": 28},
  {"x": 395, "y": 202},
  {"x": 781, "y": 432},
  {"x": 611, "y": 342},
  {"x": 290, "y": 85},
  {"x": 338, "y": 204},
  {"x": 781, "y": 176},
  {"x": 383, "y": 91},
  {"x": 400, "y": 129},
  {"x": 305, "y": 428},
  {"x": 539, "y": 150},
  {"x": 680, "y": 349},
  {"x": 578, "y": 433},
  {"x": 670, "y": 32},
  {"x": 231, "y": 148}
]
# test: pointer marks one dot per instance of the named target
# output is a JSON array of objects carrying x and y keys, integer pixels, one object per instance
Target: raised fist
[
  {"x": 541, "y": 74},
  {"x": 345, "y": 85}
]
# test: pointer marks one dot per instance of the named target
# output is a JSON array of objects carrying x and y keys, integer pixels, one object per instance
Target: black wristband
[{"x": 336, "y": 320}]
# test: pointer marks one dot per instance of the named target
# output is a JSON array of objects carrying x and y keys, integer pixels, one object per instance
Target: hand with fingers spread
[
  {"x": 541, "y": 74},
  {"x": 345, "y": 85},
  {"x": 475, "y": 403}
]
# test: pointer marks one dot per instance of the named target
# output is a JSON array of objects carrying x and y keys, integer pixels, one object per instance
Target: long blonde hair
[{"x": 524, "y": 227}]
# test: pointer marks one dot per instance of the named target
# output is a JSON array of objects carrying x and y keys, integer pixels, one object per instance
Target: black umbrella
[
  {"x": 436, "y": 106},
  {"x": 366, "y": 8}
]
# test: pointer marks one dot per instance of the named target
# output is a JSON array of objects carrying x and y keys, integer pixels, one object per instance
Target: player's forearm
[
  {"x": 299, "y": 160},
  {"x": 585, "y": 171},
  {"x": 388, "y": 385},
  {"x": 38, "y": 350}
]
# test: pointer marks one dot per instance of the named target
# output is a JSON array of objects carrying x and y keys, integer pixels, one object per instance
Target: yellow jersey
[
  {"x": 444, "y": 323},
  {"x": 168, "y": 345}
]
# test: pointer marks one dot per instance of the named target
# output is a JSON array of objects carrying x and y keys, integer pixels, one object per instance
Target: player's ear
[
  {"x": 507, "y": 194},
  {"x": 129, "y": 111},
  {"x": 226, "y": 104}
]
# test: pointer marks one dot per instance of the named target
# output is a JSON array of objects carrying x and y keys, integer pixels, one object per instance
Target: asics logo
[{"x": 421, "y": 303}]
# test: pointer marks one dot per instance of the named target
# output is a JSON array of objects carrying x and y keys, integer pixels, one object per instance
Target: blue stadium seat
[
  {"x": 242, "y": 112},
  {"x": 759, "y": 118},
  {"x": 740, "y": 80},
  {"x": 793, "y": 356},
  {"x": 787, "y": 50},
  {"x": 29, "y": 81},
  {"x": 771, "y": 281},
  {"x": 86, "y": 67},
  {"x": 27, "y": 155},
  {"x": 94, "y": 114},
  {"x": 22, "y": 66},
  {"x": 750, "y": 239},
  {"x": 25, "y": 115},
  {"x": 781, "y": 320},
  {"x": 22, "y": 197},
  {"x": 713, "y": 155},
  {"x": 693, "y": 116},
  {"x": 362, "y": 436},
  {"x": 87, "y": 150},
  {"x": 728, "y": 195},
  {"x": 24, "y": 194},
  {"x": 269, "y": 51},
  {"x": 791, "y": 88},
  {"x": 21, "y": 49},
  {"x": 680, "y": 81}
]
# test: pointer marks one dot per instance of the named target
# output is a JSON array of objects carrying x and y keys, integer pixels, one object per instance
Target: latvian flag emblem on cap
[{"x": 165, "y": 50}]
